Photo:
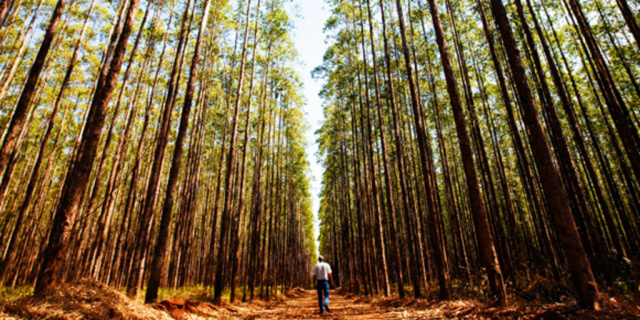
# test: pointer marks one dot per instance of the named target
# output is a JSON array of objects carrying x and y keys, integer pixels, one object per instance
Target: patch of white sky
[{"x": 309, "y": 17}]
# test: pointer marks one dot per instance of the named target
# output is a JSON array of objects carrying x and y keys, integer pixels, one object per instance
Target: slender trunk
[
  {"x": 157, "y": 262},
  {"x": 148, "y": 208},
  {"x": 562, "y": 219},
  {"x": 21, "y": 109},
  {"x": 630, "y": 18},
  {"x": 622, "y": 117},
  {"x": 483, "y": 231},
  {"x": 77, "y": 178},
  {"x": 238, "y": 237},
  {"x": 226, "y": 209},
  {"x": 5, "y": 5},
  {"x": 8, "y": 255}
]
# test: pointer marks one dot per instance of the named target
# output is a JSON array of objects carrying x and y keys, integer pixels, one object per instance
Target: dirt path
[{"x": 305, "y": 306}]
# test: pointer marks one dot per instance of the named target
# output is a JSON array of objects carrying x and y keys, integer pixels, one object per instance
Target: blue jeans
[{"x": 323, "y": 289}]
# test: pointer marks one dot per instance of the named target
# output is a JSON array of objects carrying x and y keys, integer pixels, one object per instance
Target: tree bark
[
  {"x": 77, "y": 178},
  {"x": 562, "y": 219},
  {"x": 483, "y": 231},
  {"x": 157, "y": 262},
  {"x": 226, "y": 209},
  {"x": 148, "y": 207},
  {"x": 21, "y": 109}
]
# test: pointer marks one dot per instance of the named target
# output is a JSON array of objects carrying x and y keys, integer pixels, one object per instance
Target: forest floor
[{"x": 92, "y": 300}]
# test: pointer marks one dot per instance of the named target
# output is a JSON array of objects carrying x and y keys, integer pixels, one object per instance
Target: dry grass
[
  {"x": 295, "y": 293},
  {"x": 92, "y": 300},
  {"x": 611, "y": 308},
  {"x": 85, "y": 300}
]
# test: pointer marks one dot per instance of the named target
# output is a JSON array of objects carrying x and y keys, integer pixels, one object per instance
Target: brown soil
[{"x": 92, "y": 300}]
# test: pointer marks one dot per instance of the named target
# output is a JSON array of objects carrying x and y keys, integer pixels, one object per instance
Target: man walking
[{"x": 322, "y": 277}]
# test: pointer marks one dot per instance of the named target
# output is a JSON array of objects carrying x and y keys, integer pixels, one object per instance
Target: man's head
[{"x": 320, "y": 258}]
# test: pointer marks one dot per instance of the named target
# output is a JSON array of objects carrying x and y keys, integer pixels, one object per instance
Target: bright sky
[{"x": 310, "y": 42}]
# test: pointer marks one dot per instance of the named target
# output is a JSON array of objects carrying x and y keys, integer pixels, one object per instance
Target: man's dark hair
[{"x": 320, "y": 258}]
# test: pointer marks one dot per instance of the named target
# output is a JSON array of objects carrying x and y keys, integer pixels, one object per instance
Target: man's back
[
  {"x": 322, "y": 277},
  {"x": 322, "y": 271}
]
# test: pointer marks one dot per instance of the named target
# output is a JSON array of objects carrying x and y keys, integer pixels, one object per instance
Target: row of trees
[
  {"x": 468, "y": 139},
  {"x": 150, "y": 144}
]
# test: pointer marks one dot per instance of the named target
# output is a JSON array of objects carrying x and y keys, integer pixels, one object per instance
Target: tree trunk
[
  {"x": 157, "y": 262},
  {"x": 560, "y": 211},
  {"x": 24, "y": 101},
  {"x": 483, "y": 231},
  {"x": 226, "y": 209},
  {"x": 77, "y": 178},
  {"x": 148, "y": 207},
  {"x": 630, "y": 18}
]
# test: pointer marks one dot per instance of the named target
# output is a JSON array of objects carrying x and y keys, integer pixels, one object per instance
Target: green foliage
[{"x": 15, "y": 293}]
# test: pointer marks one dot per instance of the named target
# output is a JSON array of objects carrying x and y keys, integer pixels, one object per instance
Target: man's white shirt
[{"x": 322, "y": 271}]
